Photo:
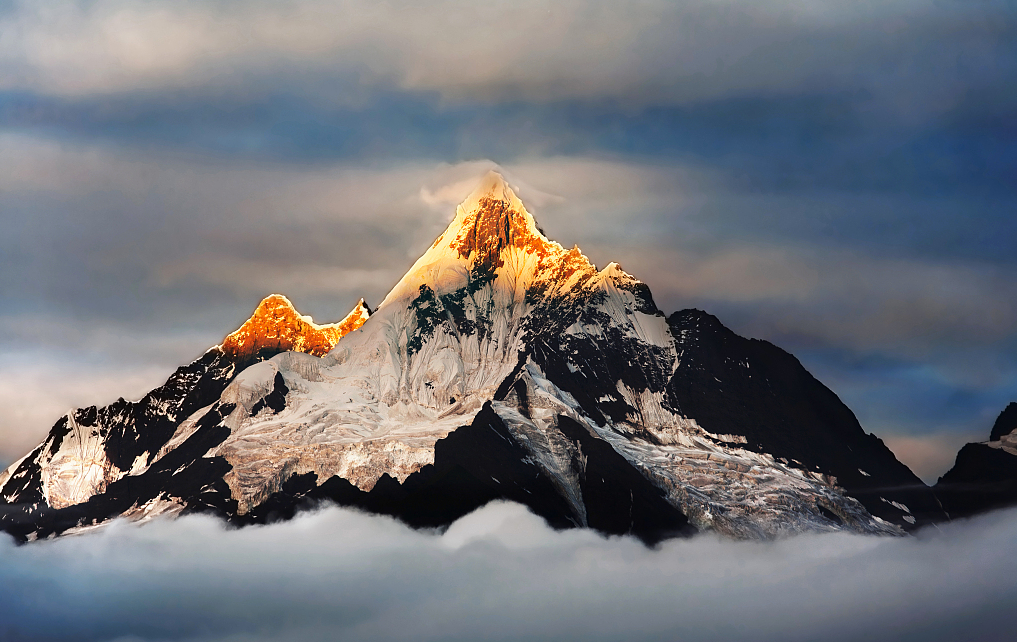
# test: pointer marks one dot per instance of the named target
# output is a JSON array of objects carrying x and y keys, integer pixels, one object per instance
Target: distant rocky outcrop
[{"x": 984, "y": 477}]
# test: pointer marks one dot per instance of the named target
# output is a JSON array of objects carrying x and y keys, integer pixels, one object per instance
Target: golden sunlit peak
[
  {"x": 491, "y": 219},
  {"x": 491, "y": 227},
  {"x": 277, "y": 326}
]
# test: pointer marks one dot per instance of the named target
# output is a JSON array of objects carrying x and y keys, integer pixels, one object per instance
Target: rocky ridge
[
  {"x": 276, "y": 327},
  {"x": 503, "y": 365},
  {"x": 89, "y": 449},
  {"x": 984, "y": 476}
]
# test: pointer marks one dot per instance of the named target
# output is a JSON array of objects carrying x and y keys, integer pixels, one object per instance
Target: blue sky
[{"x": 838, "y": 178}]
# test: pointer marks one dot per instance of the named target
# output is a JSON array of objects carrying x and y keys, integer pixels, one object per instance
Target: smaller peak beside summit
[{"x": 277, "y": 326}]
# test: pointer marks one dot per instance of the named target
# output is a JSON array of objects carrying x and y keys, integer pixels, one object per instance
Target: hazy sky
[{"x": 837, "y": 177}]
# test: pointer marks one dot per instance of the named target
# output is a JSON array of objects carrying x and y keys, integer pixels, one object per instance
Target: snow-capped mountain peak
[
  {"x": 492, "y": 186},
  {"x": 493, "y": 235},
  {"x": 90, "y": 448},
  {"x": 491, "y": 219},
  {"x": 501, "y": 366},
  {"x": 276, "y": 325}
]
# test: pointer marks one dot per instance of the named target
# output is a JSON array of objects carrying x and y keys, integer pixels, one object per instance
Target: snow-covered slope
[
  {"x": 90, "y": 448},
  {"x": 437, "y": 348},
  {"x": 503, "y": 365}
]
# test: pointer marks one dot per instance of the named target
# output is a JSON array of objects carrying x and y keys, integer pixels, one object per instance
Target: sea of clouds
[{"x": 502, "y": 574}]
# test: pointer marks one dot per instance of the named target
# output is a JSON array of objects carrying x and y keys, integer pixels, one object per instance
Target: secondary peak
[{"x": 276, "y": 325}]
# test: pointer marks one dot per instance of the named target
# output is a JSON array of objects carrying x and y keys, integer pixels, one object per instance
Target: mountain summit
[
  {"x": 501, "y": 366},
  {"x": 491, "y": 219},
  {"x": 491, "y": 233}
]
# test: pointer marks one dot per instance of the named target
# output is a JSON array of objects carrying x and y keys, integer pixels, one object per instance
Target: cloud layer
[
  {"x": 501, "y": 574},
  {"x": 912, "y": 56}
]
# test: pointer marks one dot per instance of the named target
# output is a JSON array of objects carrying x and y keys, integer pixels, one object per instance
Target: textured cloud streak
[
  {"x": 501, "y": 574},
  {"x": 648, "y": 51}
]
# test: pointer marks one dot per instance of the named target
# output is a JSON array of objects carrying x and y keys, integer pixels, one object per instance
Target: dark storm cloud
[
  {"x": 783, "y": 145},
  {"x": 501, "y": 574}
]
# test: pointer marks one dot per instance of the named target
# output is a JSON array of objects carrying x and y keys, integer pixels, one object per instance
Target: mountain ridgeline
[
  {"x": 984, "y": 477},
  {"x": 501, "y": 366}
]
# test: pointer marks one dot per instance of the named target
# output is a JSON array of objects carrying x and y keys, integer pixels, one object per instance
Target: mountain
[
  {"x": 761, "y": 394},
  {"x": 501, "y": 366},
  {"x": 90, "y": 449},
  {"x": 984, "y": 477}
]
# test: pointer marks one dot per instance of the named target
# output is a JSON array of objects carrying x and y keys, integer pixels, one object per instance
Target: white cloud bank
[{"x": 501, "y": 574}]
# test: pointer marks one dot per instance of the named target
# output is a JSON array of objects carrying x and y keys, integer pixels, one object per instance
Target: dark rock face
[
  {"x": 183, "y": 474},
  {"x": 1006, "y": 422},
  {"x": 473, "y": 465},
  {"x": 619, "y": 499},
  {"x": 984, "y": 477},
  {"x": 751, "y": 388},
  {"x": 128, "y": 430},
  {"x": 132, "y": 429},
  {"x": 729, "y": 384},
  {"x": 482, "y": 462}
]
